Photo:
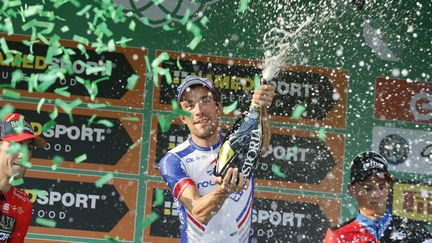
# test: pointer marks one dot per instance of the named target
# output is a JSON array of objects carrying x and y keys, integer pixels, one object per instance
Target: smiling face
[
  {"x": 371, "y": 195},
  {"x": 203, "y": 123},
  {"x": 10, "y": 163}
]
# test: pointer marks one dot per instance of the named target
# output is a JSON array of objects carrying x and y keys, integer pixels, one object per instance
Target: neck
[
  {"x": 371, "y": 214},
  {"x": 206, "y": 142},
  {"x": 5, "y": 186}
]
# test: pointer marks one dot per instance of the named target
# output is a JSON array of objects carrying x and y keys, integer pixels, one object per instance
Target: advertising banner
[
  {"x": 413, "y": 201},
  {"x": 110, "y": 88},
  {"x": 73, "y": 139},
  {"x": 403, "y": 100},
  {"x": 276, "y": 217},
  {"x": 406, "y": 150},
  {"x": 79, "y": 208},
  {"x": 321, "y": 91},
  {"x": 304, "y": 161}
]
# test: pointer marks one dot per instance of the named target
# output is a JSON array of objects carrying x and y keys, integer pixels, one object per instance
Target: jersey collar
[
  {"x": 209, "y": 148},
  {"x": 375, "y": 227}
]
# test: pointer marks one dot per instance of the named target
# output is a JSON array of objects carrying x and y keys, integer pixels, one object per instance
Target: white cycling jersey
[{"x": 191, "y": 165}]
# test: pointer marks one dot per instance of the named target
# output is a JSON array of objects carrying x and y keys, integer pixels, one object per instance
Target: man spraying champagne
[{"x": 214, "y": 208}]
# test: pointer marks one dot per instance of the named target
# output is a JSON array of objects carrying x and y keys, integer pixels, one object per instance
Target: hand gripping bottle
[{"x": 242, "y": 145}]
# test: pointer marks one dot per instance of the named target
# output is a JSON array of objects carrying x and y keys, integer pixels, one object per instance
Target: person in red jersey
[
  {"x": 370, "y": 186},
  {"x": 15, "y": 206}
]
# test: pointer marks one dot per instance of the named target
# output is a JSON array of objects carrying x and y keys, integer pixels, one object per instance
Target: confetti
[
  {"x": 5, "y": 110},
  {"x": 243, "y": 5},
  {"x": 104, "y": 179},
  {"x": 132, "y": 25},
  {"x": 48, "y": 125},
  {"x": 112, "y": 239},
  {"x": 97, "y": 106},
  {"x": 277, "y": 171},
  {"x": 166, "y": 72},
  {"x": 105, "y": 122},
  {"x": 322, "y": 133},
  {"x": 54, "y": 114},
  {"x": 80, "y": 158},
  {"x": 132, "y": 80},
  {"x": 62, "y": 91},
  {"x": 179, "y": 66},
  {"x": 11, "y": 94},
  {"x": 39, "y": 193},
  {"x": 230, "y": 108},
  {"x": 68, "y": 107},
  {"x": 64, "y": 29},
  {"x": 165, "y": 122},
  {"x": 298, "y": 111},
  {"x": 159, "y": 59},
  {"x": 159, "y": 198},
  {"x": 46, "y": 222},
  {"x": 257, "y": 81},
  {"x": 84, "y": 10},
  {"x": 204, "y": 20},
  {"x": 186, "y": 16},
  {"x": 149, "y": 220},
  {"x": 130, "y": 118},
  {"x": 56, "y": 161},
  {"x": 16, "y": 182},
  {"x": 179, "y": 111},
  {"x": 291, "y": 151}
]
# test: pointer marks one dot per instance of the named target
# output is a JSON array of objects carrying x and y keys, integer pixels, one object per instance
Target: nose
[{"x": 198, "y": 108}]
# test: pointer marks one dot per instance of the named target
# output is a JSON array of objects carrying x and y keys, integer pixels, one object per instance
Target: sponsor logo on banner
[
  {"x": 78, "y": 207},
  {"x": 287, "y": 218},
  {"x": 72, "y": 139},
  {"x": 306, "y": 161},
  {"x": 275, "y": 217},
  {"x": 406, "y": 150},
  {"x": 321, "y": 91},
  {"x": 403, "y": 100},
  {"x": 413, "y": 201},
  {"x": 167, "y": 227},
  {"x": 125, "y": 62}
]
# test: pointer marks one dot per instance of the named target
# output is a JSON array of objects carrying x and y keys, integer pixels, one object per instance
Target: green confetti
[
  {"x": 11, "y": 94},
  {"x": 80, "y": 158},
  {"x": 108, "y": 68},
  {"x": 17, "y": 76},
  {"x": 68, "y": 107},
  {"x": 92, "y": 70},
  {"x": 186, "y": 16},
  {"x": 8, "y": 26},
  {"x": 54, "y": 114},
  {"x": 104, "y": 179},
  {"x": 48, "y": 125},
  {"x": 322, "y": 133},
  {"x": 195, "y": 41},
  {"x": 243, "y": 5},
  {"x": 291, "y": 151},
  {"x": 5, "y": 110},
  {"x": 149, "y": 220},
  {"x": 39, "y": 193},
  {"x": 204, "y": 20},
  {"x": 179, "y": 66},
  {"x": 132, "y": 80},
  {"x": 132, "y": 25},
  {"x": 167, "y": 28},
  {"x": 165, "y": 122},
  {"x": 257, "y": 81},
  {"x": 46, "y": 222},
  {"x": 97, "y": 106},
  {"x": 130, "y": 118},
  {"x": 277, "y": 171},
  {"x": 80, "y": 39},
  {"x": 159, "y": 199},
  {"x": 62, "y": 91},
  {"x": 298, "y": 111},
  {"x": 84, "y": 10},
  {"x": 105, "y": 122},
  {"x": 135, "y": 144},
  {"x": 91, "y": 119},
  {"x": 112, "y": 239},
  {"x": 230, "y": 108},
  {"x": 178, "y": 110},
  {"x": 157, "y": 2},
  {"x": 164, "y": 56},
  {"x": 166, "y": 72},
  {"x": 16, "y": 182},
  {"x": 64, "y": 29},
  {"x": 56, "y": 161}
]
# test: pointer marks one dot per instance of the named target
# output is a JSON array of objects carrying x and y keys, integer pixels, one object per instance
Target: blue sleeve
[{"x": 174, "y": 174}]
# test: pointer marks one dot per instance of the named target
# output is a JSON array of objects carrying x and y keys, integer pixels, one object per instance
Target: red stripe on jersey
[
  {"x": 198, "y": 224},
  {"x": 245, "y": 217},
  {"x": 181, "y": 185}
]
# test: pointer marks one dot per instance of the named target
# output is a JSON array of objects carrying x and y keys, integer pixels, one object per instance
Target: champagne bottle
[{"x": 242, "y": 145}]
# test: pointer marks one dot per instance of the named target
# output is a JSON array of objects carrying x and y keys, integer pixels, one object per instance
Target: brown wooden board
[
  {"x": 106, "y": 148},
  {"x": 125, "y": 62},
  {"x": 322, "y": 91}
]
